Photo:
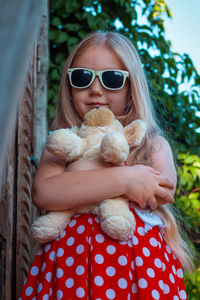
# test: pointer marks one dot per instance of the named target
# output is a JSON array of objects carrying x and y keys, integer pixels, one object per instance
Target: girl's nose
[{"x": 96, "y": 87}]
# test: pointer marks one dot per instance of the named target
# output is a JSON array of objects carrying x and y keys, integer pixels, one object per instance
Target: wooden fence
[{"x": 19, "y": 162}]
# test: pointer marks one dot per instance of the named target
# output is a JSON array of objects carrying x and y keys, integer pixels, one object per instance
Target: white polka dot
[
  {"x": 70, "y": 241},
  {"x": 139, "y": 261},
  {"x": 155, "y": 294},
  {"x": 50, "y": 291},
  {"x": 122, "y": 283},
  {"x": 80, "y": 270},
  {"x": 43, "y": 267},
  {"x": 163, "y": 267},
  {"x": 130, "y": 243},
  {"x": 45, "y": 297},
  {"x": 166, "y": 257},
  {"x": 29, "y": 291},
  {"x": 63, "y": 234},
  {"x": 110, "y": 271},
  {"x": 142, "y": 283},
  {"x": 97, "y": 219},
  {"x": 80, "y": 249},
  {"x": 59, "y": 273},
  {"x": 132, "y": 265},
  {"x": 34, "y": 271},
  {"x": 111, "y": 249},
  {"x": 122, "y": 242},
  {"x": 100, "y": 238},
  {"x": 39, "y": 287},
  {"x": 72, "y": 223},
  {"x": 69, "y": 261},
  {"x": 150, "y": 272},
  {"x": 110, "y": 294},
  {"x": 60, "y": 252},
  {"x": 146, "y": 252},
  {"x": 153, "y": 242},
  {"x": 180, "y": 273},
  {"x": 80, "y": 229},
  {"x": 80, "y": 293},
  {"x": 161, "y": 284},
  {"x": 174, "y": 256},
  {"x": 40, "y": 252},
  {"x": 90, "y": 221},
  {"x": 122, "y": 260},
  {"x": 166, "y": 289},
  {"x": 135, "y": 240},
  {"x": 48, "y": 276},
  {"x": 52, "y": 255},
  {"x": 175, "y": 298},
  {"x": 168, "y": 249},
  {"x": 158, "y": 263},
  {"x": 129, "y": 297},
  {"x": 141, "y": 231},
  {"x": 134, "y": 288},
  {"x": 171, "y": 277},
  {"x": 69, "y": 282},
  {"x": 130, "y": 275},
  {"x": 47, "y": 247},
  {"x": 160, "y": 236},
  {"x": 174, "y": 269},
  {"x": 98, "y": 280},
  {"x": 182, "y": 294},
  {"x": 59, "y": 294},
  {"x": 99, "y": 259},
  {"x": 159, "y": 245}
]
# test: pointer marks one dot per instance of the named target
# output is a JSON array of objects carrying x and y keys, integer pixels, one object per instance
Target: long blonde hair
[{"x": 140, "y": 107}]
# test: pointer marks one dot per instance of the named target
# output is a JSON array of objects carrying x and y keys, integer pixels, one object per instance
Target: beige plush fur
[{"x": 102, "y": 137}]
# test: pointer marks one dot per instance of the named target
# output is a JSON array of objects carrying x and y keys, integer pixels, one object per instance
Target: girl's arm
[{"x": 58, "y": 188}]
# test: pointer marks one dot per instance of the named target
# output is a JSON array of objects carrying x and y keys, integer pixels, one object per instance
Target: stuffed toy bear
[{"x": 100, "y": 137}]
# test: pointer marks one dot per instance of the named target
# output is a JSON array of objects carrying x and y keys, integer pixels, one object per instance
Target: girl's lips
[{"x": 96, "y": 104}]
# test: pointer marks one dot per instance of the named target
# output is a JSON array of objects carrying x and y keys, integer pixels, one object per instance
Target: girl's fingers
[
  {"x": 166, "y": 183},
  {"x": 164, "y": 194},
  {"x": 152, "y": 203}
]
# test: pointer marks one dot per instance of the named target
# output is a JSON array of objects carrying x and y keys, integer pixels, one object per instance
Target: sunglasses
[{"x": 111, "y": 79}]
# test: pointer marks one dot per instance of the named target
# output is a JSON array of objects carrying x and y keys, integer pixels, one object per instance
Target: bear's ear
[
  {"x": 99, "y": 117},
  {"x": 135, "y": 132}
]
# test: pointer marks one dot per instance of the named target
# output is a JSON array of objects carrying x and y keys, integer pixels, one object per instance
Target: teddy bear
[{"x": 100, "y": 137}]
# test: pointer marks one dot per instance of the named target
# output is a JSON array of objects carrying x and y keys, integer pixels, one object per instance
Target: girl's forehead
[{"x": 101, "y": 56}]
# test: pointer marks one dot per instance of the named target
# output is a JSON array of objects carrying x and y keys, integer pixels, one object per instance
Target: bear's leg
[
  {"x": 116, "y": 219},
  {"x": 49, "y": 227}
]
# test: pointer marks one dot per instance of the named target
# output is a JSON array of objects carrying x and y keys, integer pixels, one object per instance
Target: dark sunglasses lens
[
  {"x": 81, "y": 78},
  {"x": 113, "y": 79}
]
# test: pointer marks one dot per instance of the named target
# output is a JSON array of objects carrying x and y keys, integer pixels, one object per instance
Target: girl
[{"x": 84, "y": 263}]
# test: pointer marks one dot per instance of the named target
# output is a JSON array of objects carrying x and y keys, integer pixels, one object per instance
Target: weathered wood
[
  {"x": 19, "y": 23},
  {"x": 18, "y": 165}
]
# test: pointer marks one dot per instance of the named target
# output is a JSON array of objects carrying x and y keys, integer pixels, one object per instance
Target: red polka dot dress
[{"x": 84, "y": 263}]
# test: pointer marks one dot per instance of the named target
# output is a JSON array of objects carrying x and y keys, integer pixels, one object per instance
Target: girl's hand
[{"x": 146, "y": 187}]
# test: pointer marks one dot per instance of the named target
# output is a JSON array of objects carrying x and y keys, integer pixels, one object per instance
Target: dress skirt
[{"x": 84, "y": 263}]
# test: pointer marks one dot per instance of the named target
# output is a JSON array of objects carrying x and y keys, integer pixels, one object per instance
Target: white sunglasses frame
[{"x": 99, "y": 74}]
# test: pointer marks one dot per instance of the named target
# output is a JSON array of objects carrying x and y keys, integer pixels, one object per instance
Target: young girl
[{"x": 84, "y": 263}]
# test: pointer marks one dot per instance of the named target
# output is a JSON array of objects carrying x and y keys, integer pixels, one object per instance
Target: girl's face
[{"x": 99, "y": 58}]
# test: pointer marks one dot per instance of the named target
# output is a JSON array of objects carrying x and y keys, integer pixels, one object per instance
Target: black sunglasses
[{"x": 111, "y": 79}]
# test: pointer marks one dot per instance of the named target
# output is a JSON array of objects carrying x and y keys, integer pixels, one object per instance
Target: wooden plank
[{"x": 20, "y": 21}]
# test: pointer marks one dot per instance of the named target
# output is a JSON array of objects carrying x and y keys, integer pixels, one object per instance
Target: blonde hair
[{"x": 140, "y": 107}]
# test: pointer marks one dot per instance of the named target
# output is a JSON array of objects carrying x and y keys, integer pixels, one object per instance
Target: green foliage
[
  {"x": 187, "y": 201},
  {"x": 192, "y": 284},
  {"x": 187, "y": 198}
]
